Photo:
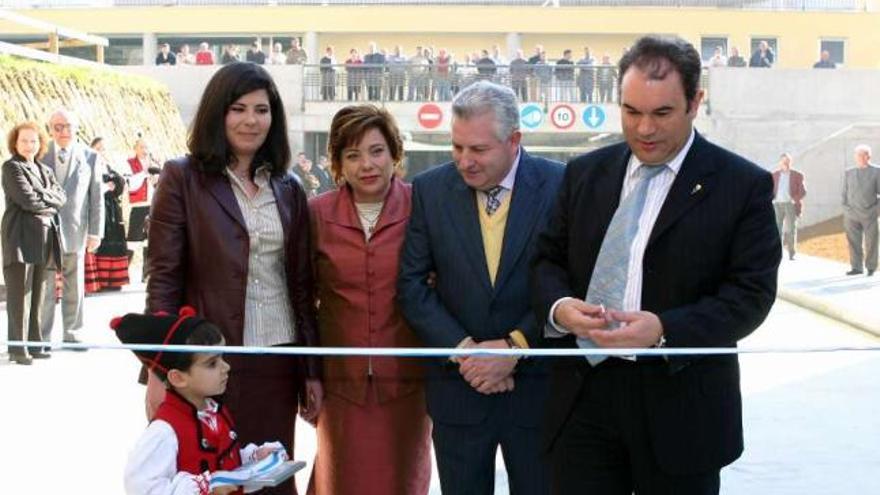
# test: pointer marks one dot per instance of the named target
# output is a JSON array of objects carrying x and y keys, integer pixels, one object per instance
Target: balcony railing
[
  {"x": 542, "y": 83},
  {"x": 406, "y": 82},
  {"x": 811, "y": 5}
]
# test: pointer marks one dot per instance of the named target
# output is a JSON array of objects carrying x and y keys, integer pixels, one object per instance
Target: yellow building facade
[{"x": 797, "y": 35}]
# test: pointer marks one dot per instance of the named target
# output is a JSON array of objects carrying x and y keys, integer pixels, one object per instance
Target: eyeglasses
[{"x": 62, "y": 127}]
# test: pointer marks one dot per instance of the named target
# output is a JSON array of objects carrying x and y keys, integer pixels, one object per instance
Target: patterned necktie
[
  {"x": 608, "y": 283},
  {"x": 493, "y": 200},
  {"x": 61, "y": 166}
]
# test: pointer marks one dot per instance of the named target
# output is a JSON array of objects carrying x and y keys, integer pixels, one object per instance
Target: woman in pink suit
[{"x": 373, "y": 431}]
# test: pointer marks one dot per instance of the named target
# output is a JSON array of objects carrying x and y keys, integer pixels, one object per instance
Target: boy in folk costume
[{"x": 192, "y": 435}]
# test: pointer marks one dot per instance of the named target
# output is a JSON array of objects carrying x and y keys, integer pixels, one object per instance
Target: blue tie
[
  {"x": 608, "y": 283},
  {"x": 493, "y": 201}
]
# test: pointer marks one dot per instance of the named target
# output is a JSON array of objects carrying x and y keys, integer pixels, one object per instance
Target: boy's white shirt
[{"x": 152, "y": 465}]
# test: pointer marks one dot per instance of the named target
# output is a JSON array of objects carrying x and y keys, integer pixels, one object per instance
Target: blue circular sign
[
  {"x": 531, "y": 116},
  {"x": 594, "y": 116}
]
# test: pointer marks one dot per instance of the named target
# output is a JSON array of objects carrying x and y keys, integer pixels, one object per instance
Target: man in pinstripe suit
[{"x": 700, "y": 271}]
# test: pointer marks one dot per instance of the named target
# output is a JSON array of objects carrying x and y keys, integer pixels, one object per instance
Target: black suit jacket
[
  {"x": 33, "y": 198},
  {"x": 709, "y": 273},
  {"x": 443, "y": 236}
]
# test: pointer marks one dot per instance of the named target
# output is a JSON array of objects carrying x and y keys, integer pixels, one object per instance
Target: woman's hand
[{"x": 314, "y": 398}]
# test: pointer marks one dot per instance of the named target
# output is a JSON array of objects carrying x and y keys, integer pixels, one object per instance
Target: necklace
[
  {"x": 242, "y": 176},
  {"x": 369, "y": 215}
]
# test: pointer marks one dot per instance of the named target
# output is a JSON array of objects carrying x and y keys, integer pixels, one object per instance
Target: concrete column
[
  {"x": 53, "y": 43},
  {"x": 149, "y": 48},
  {"x": 514, "y": 43},
  {"x": 99, "y": 53},
  {"x": 310, "y": 45}
]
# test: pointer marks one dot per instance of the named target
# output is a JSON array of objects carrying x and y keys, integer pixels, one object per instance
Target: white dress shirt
[{"x": 656, "y": 197}]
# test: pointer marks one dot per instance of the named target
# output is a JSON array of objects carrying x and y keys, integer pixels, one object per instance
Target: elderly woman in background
[
  {"x": 373, "y": 432},
  {"x": 229, "y": 235},
  {"x": 29, "y": 236}
]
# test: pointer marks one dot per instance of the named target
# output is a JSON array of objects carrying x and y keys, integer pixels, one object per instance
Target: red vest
[
  {"x": 138, "y": 195},
  {"x": 198, "y": 448}
]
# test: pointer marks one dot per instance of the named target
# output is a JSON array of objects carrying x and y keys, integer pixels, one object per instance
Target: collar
[
  {"x": 510, "y": 178},
  {"x": 674, "y": 165}
]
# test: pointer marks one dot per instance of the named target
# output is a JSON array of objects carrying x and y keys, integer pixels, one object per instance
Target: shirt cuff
[{"x": 551, "y": 329}]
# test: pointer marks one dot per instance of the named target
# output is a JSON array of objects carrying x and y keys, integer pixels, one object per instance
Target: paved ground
[{"x": 811, "y": 419}]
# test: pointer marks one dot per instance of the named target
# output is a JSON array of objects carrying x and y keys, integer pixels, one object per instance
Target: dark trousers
[
  {"x": 605, "y": 447},
  {"x": 466, "y": 454},
  {"x": 25, "y": 283}
]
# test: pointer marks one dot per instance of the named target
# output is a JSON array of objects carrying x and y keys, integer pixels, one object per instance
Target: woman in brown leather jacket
[{"x": 229, "y": 235}]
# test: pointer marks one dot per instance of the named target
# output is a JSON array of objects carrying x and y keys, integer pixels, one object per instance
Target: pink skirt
[{"x": 381, "y": 449}]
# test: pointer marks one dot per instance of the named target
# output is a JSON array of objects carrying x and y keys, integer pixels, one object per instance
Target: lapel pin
[{"x": 696, "y": 189}]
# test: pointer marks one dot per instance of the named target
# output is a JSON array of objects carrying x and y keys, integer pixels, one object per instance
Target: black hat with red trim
[{"x": 159, "y": 328}]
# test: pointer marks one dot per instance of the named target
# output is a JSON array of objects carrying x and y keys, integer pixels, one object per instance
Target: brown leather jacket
[{"x": 199, "y": 250}]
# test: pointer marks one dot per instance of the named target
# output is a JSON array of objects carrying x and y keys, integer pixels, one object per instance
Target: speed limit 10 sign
[{"x": 563, "y": 116}]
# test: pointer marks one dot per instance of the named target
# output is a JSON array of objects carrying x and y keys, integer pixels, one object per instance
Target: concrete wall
[{"x": 816, "y": 115}]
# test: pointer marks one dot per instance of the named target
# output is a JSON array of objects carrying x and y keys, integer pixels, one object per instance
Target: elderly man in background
[
  {"x": 81, "y": 221},
  {"x": 861, "y": 188}
]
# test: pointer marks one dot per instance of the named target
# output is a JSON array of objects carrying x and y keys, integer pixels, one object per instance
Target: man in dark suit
[
  {"x": 474, "y": 223},
  {"x": 81, "y": 221},
  {"x": 695, "y": 267}
]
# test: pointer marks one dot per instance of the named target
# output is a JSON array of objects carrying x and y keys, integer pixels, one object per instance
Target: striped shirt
[
  {"x": 656, "y": 196},
  {"x": 268, "y": 315}
]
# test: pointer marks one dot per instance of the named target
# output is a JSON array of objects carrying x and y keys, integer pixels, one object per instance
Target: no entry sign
[{"x": 430, "y": 116}]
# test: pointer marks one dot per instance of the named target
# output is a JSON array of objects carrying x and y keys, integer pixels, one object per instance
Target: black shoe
[
  {"x": 74, "y": 340},
  {"x": 791, "y": 256},
  {"x": 41, "y": 355},
  {"x": 870, "y": 273},
  {"x": 23, "y": 359},
  {"x": 854, "y": 272}
]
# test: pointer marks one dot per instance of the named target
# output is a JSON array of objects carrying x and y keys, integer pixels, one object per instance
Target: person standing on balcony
[
  {"x": 397, "y": 75},
  {"x": 165, "y": 57},
  {"x": 735, "y": 59},
  {"x": 374, "y": 64},
  {"x": 564, "y": 71},
  {"x": 586, "y": 76},
  {"x": 255, "y": 53},
  {"x": 296, "y": 55},
  {"x": 328, "y": 75},
  {"x": 763, "y": 57},
  {"x": 205, "y": 56}
]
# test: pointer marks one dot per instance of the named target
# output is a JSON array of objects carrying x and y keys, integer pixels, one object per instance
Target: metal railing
[
  {"x": 803, "y": 5},
  {"x": 542, "y": 83}
]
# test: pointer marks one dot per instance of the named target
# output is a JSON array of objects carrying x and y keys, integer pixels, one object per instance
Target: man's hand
[
  {"x": 92, "y": 243},
  {"x": 579, "y": 318},
  {"x": 640, "y": 329},
  {"x": 488, "y": 375}
]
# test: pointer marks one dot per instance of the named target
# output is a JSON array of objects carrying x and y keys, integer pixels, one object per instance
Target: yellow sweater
[{"x": 492, "y": 228}]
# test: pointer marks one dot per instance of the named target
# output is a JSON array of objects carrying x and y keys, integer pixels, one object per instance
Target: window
[
  {"x": 835, "y": 48},
  {"x": 708, "y": 45}
]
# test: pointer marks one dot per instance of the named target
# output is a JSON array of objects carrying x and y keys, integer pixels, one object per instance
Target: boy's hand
[
  {"x": 267, "y": 448},
  {"x": 224, "y": 490}
]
